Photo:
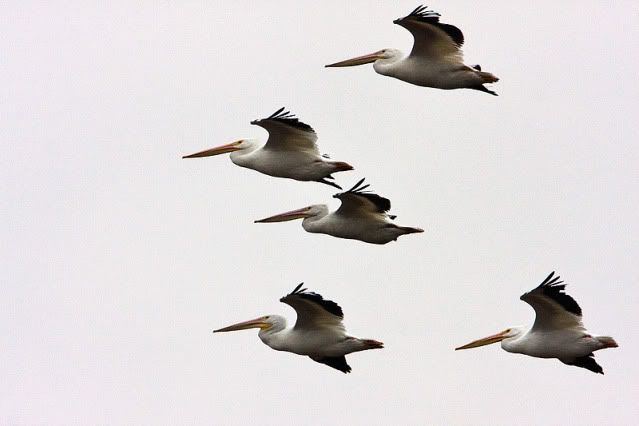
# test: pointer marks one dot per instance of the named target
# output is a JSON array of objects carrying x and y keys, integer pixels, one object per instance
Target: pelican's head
[
  {"x": 265, "y": 323},
  {"x": 507, "y": 334},
  {"x": 238, "y": 145},
  {"x": 303, "y": 213},
  {"x": 381, "y": 55}
]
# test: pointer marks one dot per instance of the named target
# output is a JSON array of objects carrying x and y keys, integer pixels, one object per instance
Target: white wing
[
  {"x": 287, "y": 133},
  {"x": 313, "y": 312},
  {"x": 433, "y": 39},
  {"x": 554, "y": 309}
]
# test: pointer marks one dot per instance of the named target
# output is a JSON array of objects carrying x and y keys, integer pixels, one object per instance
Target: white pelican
[
  {"x": 362, "y": 216},
  {"x": 290, "y": 151},
  {"x": 318, "y": 332},
  {"x": 557, "y": 332},
  {"x": 435, "y": 61}
]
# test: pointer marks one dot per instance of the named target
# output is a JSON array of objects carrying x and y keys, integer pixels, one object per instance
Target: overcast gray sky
[{"x": 118, "y": 258}]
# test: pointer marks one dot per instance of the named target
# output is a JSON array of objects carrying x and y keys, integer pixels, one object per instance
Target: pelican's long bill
[
  {"x": 283, "y": 217},
  {"x": 360, "y": 60},
  {"x": 229, "y": 147},
  {"x": 485, "y": 341},
  {"x": 254, "y": 323}
]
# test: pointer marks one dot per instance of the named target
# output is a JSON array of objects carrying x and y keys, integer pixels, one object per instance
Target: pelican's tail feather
[
  {"x": 372, "y": 344},
  {"x": 487, "y": 77},
  {"x": 607, "y": 342},
  {"x": 410, "y": 230}
]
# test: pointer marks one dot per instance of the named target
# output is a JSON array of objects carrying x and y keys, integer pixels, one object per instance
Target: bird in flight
[
  {"x": 290, "y": 151},
  {"x": 558, "y": 331},
  {"x": 362, "y": 216},
  {"x": 318, "y": 332},
  {"x": 435, "y": 61}
]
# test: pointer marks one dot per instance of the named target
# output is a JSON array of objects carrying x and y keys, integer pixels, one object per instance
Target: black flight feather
[
  {"x": 287, "y": 118},
  {"x": 554, "y": 289},
  {"x": 588, "y": 362},
  {"x": 338, "y": 362},
  {"x": 328, "y": 305},
  {"x": 422, "y": 14},
  {"x": 383, "y": 204},
  {"x": 483, "y": 88}
]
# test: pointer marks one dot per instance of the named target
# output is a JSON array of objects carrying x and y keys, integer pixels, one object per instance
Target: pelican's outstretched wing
[
  {"x": 313, "y": 311},
  {"x": 359, "y": 202},
  {"x": 554, "y": 309},
  {"x": 432, "y": 38},
  {"x": 287, "y": 133}
]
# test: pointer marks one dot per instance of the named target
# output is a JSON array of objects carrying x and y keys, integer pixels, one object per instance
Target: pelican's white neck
[
  {"x": 388, "y": 64},
  {"x": 514, "y": 341},
  {"x": 316, "y": 214},
  {"x": 247, "y": 147},
  {"x": 274, "y": 336}
]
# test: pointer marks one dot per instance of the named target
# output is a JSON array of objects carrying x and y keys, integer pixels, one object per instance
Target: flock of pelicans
[{"x": 291, "y": 152}]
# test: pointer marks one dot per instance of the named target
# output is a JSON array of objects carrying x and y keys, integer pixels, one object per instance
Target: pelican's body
[
  {"x": 421, "y": 71},
  {"x": 558, "y": 331},
  {"x": 564, "y": 344},
  {"x": 362, "y": 216},
  {"x": 436, "y": 59},
  {"x": 313, "y": 343},
  {"x": 290, "y": 151},
  {"x": 318, "y": 332},
  {"x": 298, "y": 165}
]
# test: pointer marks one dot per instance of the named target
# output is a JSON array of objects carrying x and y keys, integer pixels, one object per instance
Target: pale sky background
[{"x": 118, "y": 258}]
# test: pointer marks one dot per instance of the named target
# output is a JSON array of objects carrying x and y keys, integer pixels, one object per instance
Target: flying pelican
[
  {"x": 290, "y": 151},
  {"x": 361, "y": 216},
  {"x": 435, "y": 61},
  {"x": 557, "y": 332},
  {"x": 318, "y": 331}
]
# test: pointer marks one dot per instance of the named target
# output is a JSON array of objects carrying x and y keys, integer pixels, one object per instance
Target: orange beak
[
  {"x": 255, "y": 323},
  {"x": 233, "y": 146},
  {"x": 360, "y": 60},
  {"x": 484, "y": 341},
  {"x": 283, "y": 217}
]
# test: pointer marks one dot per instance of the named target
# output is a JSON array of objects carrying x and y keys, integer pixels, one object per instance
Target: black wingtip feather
[
  {"x": 327, "y": 305},
  {"x": 296, "y": 289},
  {"x": 555, "y": 289},
  {"x": 339, "y": 363},
  {"x": 276, "y": 113},
  {"x": 382, "y": 203},
  {"x": 422, "y": 14},
  {"x": 588, "y": 362},
  {"x": 484, "y": 89},
  {"x": 329, "y": 183},
  {"x": 356, "y": 187},
  {"x": 286, "y": 117}
]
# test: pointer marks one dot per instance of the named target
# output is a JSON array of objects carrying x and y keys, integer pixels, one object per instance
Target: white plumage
[
  {"x": 436, "y": 59},
  {"x": 290, "y": 152},
  {"x": 318, "y": 332},
  {"x": 558, "y": 330},
  {"x": 362, "y": 216}
]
